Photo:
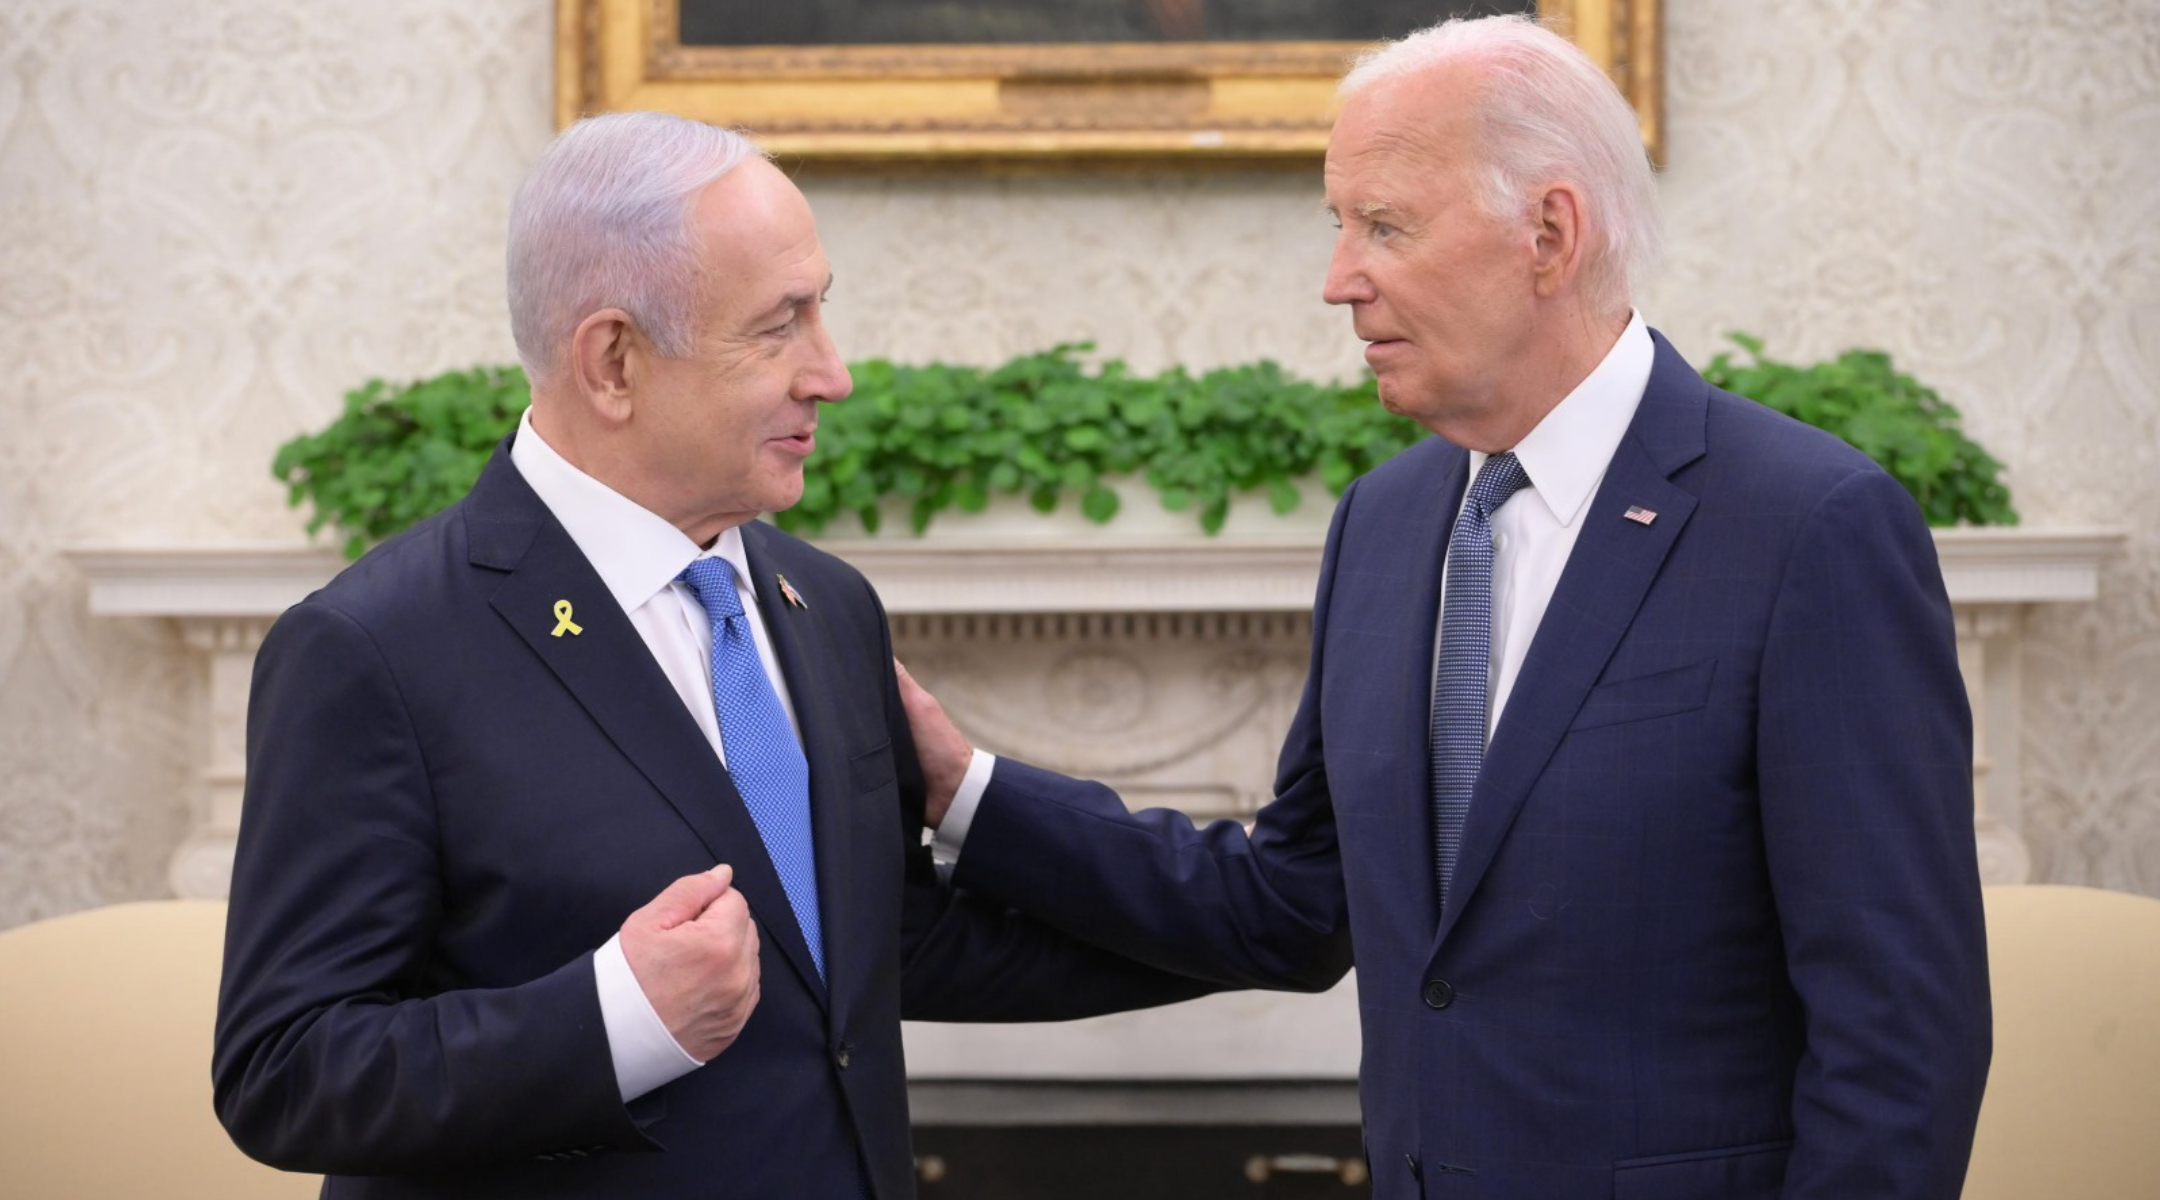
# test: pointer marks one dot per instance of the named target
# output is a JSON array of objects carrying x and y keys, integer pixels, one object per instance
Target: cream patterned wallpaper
[{"x": 217, "y": 215}]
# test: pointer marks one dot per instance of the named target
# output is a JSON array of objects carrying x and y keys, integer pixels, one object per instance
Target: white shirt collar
[
  {"x": 1566, "y": 454},
  {"x": 635, "y": 551}
]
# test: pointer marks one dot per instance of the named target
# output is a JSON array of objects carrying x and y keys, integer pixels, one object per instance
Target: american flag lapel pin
[
  {"x": 788, "y": 593},
  {"x": 1638, "y": 514}
]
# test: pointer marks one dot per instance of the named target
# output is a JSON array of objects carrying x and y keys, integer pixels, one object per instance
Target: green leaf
[
  {"x": 1099, "y": 504},
  {"x": 1889, "y": 416}
]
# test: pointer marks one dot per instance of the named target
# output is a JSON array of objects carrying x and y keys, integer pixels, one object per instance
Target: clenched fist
[{"x": 694, "y": 950}]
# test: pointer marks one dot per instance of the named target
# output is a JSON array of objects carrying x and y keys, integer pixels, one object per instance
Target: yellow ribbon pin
[{"x": 563, "y": 623}]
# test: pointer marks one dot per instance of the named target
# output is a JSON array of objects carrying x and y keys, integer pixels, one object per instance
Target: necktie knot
[
  {"x": 1501, "y": 477},
  {"x": 713, "y": 580}
]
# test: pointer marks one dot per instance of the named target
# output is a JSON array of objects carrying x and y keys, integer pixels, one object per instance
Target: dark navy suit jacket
[
  {"x": 449, "y": 808},
  {"x": 1718, "y": 934}
]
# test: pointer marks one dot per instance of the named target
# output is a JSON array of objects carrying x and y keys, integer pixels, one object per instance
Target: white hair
[
  {"x": 603, "y": 220},
  {"x": 1544, "y": 112}
]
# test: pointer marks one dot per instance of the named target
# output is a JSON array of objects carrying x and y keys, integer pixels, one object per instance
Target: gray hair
[
  {"x": 1545, "y": 112},
  {"x": 603, "y": 220}
]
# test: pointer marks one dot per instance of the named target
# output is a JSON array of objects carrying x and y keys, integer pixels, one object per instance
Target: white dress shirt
[
  {"x": 638, "y": 554},
  {"x": 1565, "y": 457}
]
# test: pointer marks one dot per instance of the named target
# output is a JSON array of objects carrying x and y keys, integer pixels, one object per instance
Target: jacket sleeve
[
  {"x": 1266, "y": 909},
  {"x": 1865, "y": 767},
  {"x": 333, "y": 1054},
  {"x": 965, "y": 957}
]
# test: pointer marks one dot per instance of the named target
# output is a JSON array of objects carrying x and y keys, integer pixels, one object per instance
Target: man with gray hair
[
  {"x": 581, "y": 852},
  {"x": 1633, "y": 759}
]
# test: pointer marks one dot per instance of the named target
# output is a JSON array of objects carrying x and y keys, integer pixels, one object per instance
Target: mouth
[
  {"x": 800, "y": 443},
  {"x": 1377, "y": 349}
]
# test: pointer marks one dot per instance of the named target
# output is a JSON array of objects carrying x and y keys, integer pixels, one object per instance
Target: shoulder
[
  {"x": 1727, "y": 446},
  {"x": 1766, "y": 453},
  {"x": 405, "y": 560},
  {"x": 1412, "y": 470},
  {"x": 412, "y": 581},
  {"x": 1769, "y": 485}
]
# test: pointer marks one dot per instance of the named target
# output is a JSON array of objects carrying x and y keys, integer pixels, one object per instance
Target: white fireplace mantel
[
  {"x": 1981, "y": 567},
  {"x": 223, "y": 598},
  {"x": 222, "y": 601}
]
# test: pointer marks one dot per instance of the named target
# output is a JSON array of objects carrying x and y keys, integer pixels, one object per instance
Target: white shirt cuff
[
  {"x": 646, "y": 1055},
  {"x": 952, "y": 832}
]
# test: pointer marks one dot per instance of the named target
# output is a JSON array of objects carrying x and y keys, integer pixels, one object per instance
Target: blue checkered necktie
[
  {"x": 1462, "y": 683},
  {"x": 763, "y": 756}
]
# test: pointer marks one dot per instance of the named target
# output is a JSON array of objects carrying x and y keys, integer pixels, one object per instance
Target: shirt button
[
  {"x": 1439, "y": 993},
  {"x": 841, "y": 1055}
]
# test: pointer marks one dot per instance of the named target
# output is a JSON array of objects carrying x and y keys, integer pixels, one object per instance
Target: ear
[
  {"x": 1557, "y": 256},
  {"x": 601, "y": 364}
]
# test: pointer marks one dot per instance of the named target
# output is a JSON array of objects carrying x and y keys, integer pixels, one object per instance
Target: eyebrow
[
  {"x": 795, "y": 300},
  {"x": 1368, "y": 209}
]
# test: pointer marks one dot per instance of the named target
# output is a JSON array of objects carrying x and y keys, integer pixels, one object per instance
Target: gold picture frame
[{"x": 1045, "y": 104}]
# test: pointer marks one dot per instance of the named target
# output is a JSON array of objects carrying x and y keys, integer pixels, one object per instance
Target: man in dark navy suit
[
  {"x": 582, "y": 845},
  {"x": 1633, "y": 759}
]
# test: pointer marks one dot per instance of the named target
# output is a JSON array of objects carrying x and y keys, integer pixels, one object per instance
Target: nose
[
  {"x": 827, "y": 377},
  {"x": 1346, "y": 282}
]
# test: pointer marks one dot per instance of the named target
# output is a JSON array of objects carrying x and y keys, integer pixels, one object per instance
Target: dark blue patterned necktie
[
  {"x": 1462, "y": 682},
  {"x": 763, "y": 756}
]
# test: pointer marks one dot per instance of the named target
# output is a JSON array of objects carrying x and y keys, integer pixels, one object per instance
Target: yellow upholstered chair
[
  {"x": 2073, "y": 1098},
  {"x": 105, "y": 1021}
]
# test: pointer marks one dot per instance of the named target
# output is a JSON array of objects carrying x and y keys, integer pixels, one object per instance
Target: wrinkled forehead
[
  {"x": 1398, "y": 134},
  {"x": 757, "y": 231}
]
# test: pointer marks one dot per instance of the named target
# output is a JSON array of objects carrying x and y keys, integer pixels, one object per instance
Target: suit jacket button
[
  {"x": 841, "y": 1055},
  {"x": 1438, "y": 993}
]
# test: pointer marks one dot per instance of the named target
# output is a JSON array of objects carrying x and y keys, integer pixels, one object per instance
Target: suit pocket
[
  {"x": 873, "y": 768},
  {"x": 1663, "y": 694},
  {"x": 1726, "y": 1173}
]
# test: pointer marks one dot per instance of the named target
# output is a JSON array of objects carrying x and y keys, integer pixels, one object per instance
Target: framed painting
[{"x": 1027, "y": 81}]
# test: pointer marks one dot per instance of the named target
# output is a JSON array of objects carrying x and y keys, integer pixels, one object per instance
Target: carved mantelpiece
[
  {"x": 1145, "y": 658},
  {"x": 1167, "y": 666}
]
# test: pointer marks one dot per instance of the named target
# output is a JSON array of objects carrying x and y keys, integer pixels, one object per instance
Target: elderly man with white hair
[{"x": 1633, "y": 763}]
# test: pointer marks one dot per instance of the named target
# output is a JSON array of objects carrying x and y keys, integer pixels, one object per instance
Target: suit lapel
[
  {"x": 1608, "y": 574},
  {"x": 1404, "y": 611},
  {"x": 610, "y": 670}
]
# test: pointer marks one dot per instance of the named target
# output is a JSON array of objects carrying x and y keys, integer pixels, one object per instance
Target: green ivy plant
[
  {"x": 942, "y": 437},
  {"x": 1048, "y": 427},
  {"x": 400, "y": 452},
  {"x": 1885, "y": 414}
]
